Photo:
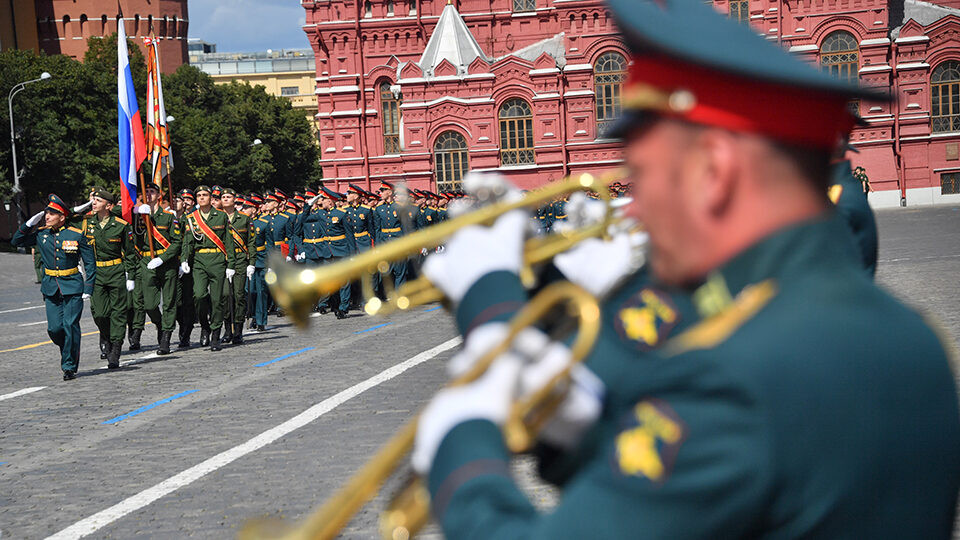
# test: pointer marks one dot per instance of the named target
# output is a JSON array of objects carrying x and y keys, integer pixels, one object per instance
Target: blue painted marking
[
  {"x": 373, "y": 328},
  {"x": 284, "y": 357},
  {"x": 4, "y": 462},
  {"x": 432, "y": 309},
  {"x": 146, "y": 408}
]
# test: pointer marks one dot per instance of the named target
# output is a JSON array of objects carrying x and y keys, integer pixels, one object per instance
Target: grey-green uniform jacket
[{"x": 807, "y": 403}]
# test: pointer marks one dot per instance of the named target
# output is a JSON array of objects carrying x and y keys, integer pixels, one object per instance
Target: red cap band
[
  {"x": 726, "y": 100},
  {"x": 57, "y": 207}
]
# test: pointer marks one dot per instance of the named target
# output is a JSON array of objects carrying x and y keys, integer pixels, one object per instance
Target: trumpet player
[{"x": 742, "y": 402}]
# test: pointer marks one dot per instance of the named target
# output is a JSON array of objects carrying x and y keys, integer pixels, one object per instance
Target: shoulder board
[
  {"x": 120, "y": 221},
  {"x": 74, "y": 229},
  {"x": 262, "y": 220},
  {"x": 168, "y": 211},
  {"x": 364, "y": 206},
  {"x": 90, "y": 213}
]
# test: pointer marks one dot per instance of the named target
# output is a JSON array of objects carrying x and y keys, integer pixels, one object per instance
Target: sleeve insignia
[
  {"x": 648, "y": 446},
  {"x": 834, "y": 193},
  {"x": 335, "y": 220},
  {"x": 646, "y": 319},
  {"x": 363, "y": 216}
]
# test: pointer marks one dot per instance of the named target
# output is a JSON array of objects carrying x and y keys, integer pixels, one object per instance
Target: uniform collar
[{"x": 791, "y": 252}]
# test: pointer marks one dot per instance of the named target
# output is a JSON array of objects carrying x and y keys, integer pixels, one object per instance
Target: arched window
[
  {"x": 739, "y": 10},
  {"x": 609, "y": 73},
  {"x": 368, "y": 9},
  {"x": 451, "y": 160},
  {"x": 389, "y": 8},
  {"x": 390, "y": 109},
  {"x": 524, "y": 5},
  {"x": 945, "y": 97},
  {"x": 516, "y": 133},
  {"x": 840, "y": 56}
]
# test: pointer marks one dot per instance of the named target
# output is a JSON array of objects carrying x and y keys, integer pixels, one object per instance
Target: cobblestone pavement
[{"x": 65, "y": 457}]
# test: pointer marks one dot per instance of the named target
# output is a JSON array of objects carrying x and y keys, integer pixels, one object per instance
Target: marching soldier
[
  {"x": 215, "y": 193},
  {"x": 112, "y": 240},
  {"x": 242, "y": 231},
  {"x": 338, "y": 237},
  {"x": 63, "y": 286},
  {"x": 157, "y": 270},
  {"x": 209, "y": 246},
  {"x": 262, "y": 245},
  {"x": 281, "y": 224},
  {"x": 186, "y": 314},
  {"x": 388, "y": 225}
]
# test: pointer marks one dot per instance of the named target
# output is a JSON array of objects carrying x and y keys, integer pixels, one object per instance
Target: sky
[{"x": 248, "y": 25}]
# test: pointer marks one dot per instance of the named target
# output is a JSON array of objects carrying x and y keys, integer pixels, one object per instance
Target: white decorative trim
[
  {"x": 469, "y": 101},
  {"x": 544, "y": 71},
  {"x": 575, "y": 93},
  {"x": 337, "y": 90},
  {"x": 578, "y": 67},
  {"x": 804, "y": 48},
  {"x": 912, "y": 39},
  {"x": 878, "y": 41},
  {"x": 913, "y": 65},
  {"x": 553, "y": 95},
  {"x": 873, "y": 69}
]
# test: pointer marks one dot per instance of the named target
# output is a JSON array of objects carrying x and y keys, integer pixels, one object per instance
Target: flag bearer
[
  {"x": 210, "y": 247},
  {"x": 112, "y": 240},
  {"x": 63, "y": 287},
  {"x": 158, "y": 275}
]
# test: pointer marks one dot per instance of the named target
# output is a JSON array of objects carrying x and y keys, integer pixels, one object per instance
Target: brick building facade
[
  {"x": 422, "y": 90},
  {"x": 64, "y": 26}
]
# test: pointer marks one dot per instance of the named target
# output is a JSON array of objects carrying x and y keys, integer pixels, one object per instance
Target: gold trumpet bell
[{"x": 295, "y": 287}]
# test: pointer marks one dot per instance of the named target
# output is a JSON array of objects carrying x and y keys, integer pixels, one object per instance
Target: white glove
[
  {"x": 84, "y": 296},
  {"x": 490, "y": 187},
  {"x": 230, "y": 273},
  {"x": 83, "y": 207},
  {"x": 250, "y": 270},
  {"x": 487, "y": 398},
  {"x": 582, "y": 211},
  {"x": 544, "y": 359},
  {"x": 185, "y": 267},
  {"x": 312, "y": 201},
  {"x": 289, "y": 258},
  {"x": 621, "y": 256},
  {"x": 131, "y": 285},
  {"x": 154, "y": 263},
  {"x": 475, "y": 252},
  {"x": 34, "y": 219},
  {"x": 301, "y": 257},
  {"x": 142, "y": 209}
]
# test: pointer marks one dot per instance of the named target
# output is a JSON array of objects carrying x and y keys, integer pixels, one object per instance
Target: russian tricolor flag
[{"x": 129, "y": 128}]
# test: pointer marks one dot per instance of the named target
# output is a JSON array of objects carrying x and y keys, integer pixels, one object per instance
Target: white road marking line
[
  {"x": 31, "y": 324},
  {"x": 133, "y": 362},
  {"x": 20, "y": 309},
  {"x": 23, "y": 392},
  {"x": 131, "y": 504}
]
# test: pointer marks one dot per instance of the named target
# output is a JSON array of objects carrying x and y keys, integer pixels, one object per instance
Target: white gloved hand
[
  {"x": 185, "y": 267},
  {"x": 142, "y": 209},
  {"x": 490, "y": 187},
  {"x": 312, "y": 201},
  {"x": 85, "y": 296},
  {"x": 582, "y": 211},
  {"x": 131, "y": 285},
  {"x": 250, "y": 270},
  {"x": 301, "y": 257},
  {"x": 230, "y": 273},
  {"x": 289, "y": 258},
  {"x": 154, "y": 263},
  {"x": 487, "y": 398},
  {"x": 543, "y": 360},
  {"x": 621, "y": 256},
  {"x": 34, "y": 219},
  {"x": 83, "y": 207},
  {"x": 475, "y": 252}
]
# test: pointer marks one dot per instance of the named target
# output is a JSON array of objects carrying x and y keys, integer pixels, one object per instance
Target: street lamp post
[{"x": 17, "y": 192}]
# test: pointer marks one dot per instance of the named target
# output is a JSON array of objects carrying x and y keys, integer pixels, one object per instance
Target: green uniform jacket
[
  {"x": 262, "y": 240},
  {"x": 808, "y": 404},
  {"x": 242, "y": 232},
  {"x": 168, "y": 226},
  {"x": 61, "y": 252},
  {"x": 194, "y": 239},
  {"x": 360, "y": 224},
  {"x": 851, "y": 203},
  {"x": 113, "y": 247},
  {"x": 387, "y": 223}
]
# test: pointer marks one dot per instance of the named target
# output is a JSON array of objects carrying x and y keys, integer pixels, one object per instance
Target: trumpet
[
  {"x": 409, "y": 511},
  {"x": 297, "y": 290}
]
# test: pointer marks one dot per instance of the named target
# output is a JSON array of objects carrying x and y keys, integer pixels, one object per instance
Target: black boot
[
  {"x": 135, "y": 339},
  {"x": 104, "y": 348},
  {"x": 69, "y": 375},
  {"x": 341, "y": 314},
  {"x": 184, "y": 338},
  {"x": 113, "y": 357},
  {"x": 165, "y": 342},
  {"x": 227, "y": 332},
  {"x": 238, "y": 333},
  {"x": 204, "y": 337},
  {"x": 215, "y": 340}
]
